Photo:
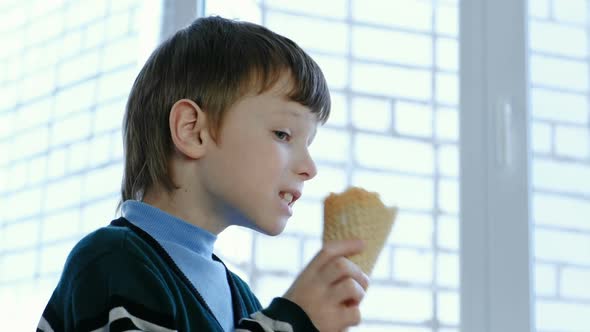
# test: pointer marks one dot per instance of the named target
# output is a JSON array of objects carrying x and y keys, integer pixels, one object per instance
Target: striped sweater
[{"x": 120, "y": 279}]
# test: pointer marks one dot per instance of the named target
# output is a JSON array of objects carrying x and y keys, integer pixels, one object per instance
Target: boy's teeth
[{"x": 287, "y": 197}]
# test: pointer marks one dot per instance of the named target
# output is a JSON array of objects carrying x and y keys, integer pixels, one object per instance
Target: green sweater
[{"x": 119, "y": 278}]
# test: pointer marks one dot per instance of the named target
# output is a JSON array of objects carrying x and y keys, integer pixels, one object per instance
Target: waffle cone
[{"x": 358, "y": 214}]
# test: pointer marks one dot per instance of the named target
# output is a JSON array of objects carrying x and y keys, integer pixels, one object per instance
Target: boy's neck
[{"x": 182, "y": 204}]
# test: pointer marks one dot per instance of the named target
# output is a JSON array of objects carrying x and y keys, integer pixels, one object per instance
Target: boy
[{"x": 216, "y": 133}]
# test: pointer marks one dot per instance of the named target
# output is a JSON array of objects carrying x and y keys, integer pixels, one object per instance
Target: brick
[
  {"x": 94, "y": 35},
  {"x": 13, "y": 43},
  {"x": 574, "y": 283},
  {"x": 31, "y": 142},
  {"x": 101, "y": 148},
  {"x": 548, "y": 37},
  {"x": 115, "y": 85},
  {"x": 569, "y": 74},
  {"x": 413, "y": 119},
  {"x": 334, "y": 68},
  {"x": 448, "y": 160},
  {"x": 65, "y": 193},
  {"x": 34, "y": 114},
  {"x": 561, "y": 316},
  {"x": 447, "y": 20},
  {"x": 541, "y": 137},
  {"x": 80, "y": 13},
  {"x": 75, "y": 98},
  {"x": 383, "y": 266},
  {"x": 545, "y": 279},
  {"x": 123, "y": 5},
  {"x": 328, "y": 8},
  {"x": 395, "y": 190},
  {"x": 22, "y": 266},
  {"x": 448, "y": 196},
  {"x": 395, "y": 46},
  {"x": 401, "y": 13},
  {"x": 412, "y": 265},
  {"x": 23, "y": 234},
  {"x": 327, "y": 36},
  {"x": 41, "y": 8},
  {"x": 307, "y": 218},
  {"x": 330, "y": 145},
  {"x": 448, "y": 270},
  {"x": 108, "y": 116},
  {"x": 329, "y": 179},
  {"x": 268, "y": 287},
  {"x": 70, "y": 44},
  {"x": 447, "y": 124},
  {"x": 560, "y": 211},
  {"x": 412, "y": 229},
  {"x": 391, "y": 81},
  {"x": 573, "y": 177},
  {"x": 311, "y": 248},
  {"x": 447, "y": 54},
  {"x": 40, "y": 83},
  {"x": 574, "y": 11},
  {"x": 62, "y": 225},
  {"x": 339, "y": 110},
  {"x": 226, "y": 245},
  {"x": 53, "y": 257},
  {"x": 9, "y": 95},
  {"x": 56, "y": 164},
  {"x": 448, "y": 308},
  {"x": 377, "y": 151},
  {"x": 572, "y": 141},
  {"x": 573, "y": 107},
  {"x": 78, "y": 155},
  {"x": 117, "y": 25},
  {"x": 560, "y": 246},
  {"x": 120, "y": 53},
  {"x": 103, "y": 182},
  {"x": 447, "y": 88},
  {"x": 13, "y": 69},
  {"x": 266, "y": 251},
  {"x": 44, "y": 28},
  {"x": 98, "y": 213},
  {"x": 18, "y": 176},
  {"x": 417, "y": 304},
  {"x": 37, "y": 170},
  {"x": 70, "y": 129},
  {"x": 371, "y": 113},
  {"x": 7, "y": 125},
  {"x": 448, "y": 232},
  {"x": 79, "y": 68},
  {"x": 13, "y": 18}
]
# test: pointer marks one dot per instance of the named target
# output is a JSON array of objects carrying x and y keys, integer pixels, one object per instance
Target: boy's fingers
[
  {"x": 335, "y": 249},
  {"x": 348, "y": 292},
  {"x": 342, "y": 268}
]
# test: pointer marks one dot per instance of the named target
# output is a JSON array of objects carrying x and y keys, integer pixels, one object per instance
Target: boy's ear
[{"x": 188, "y": 127}]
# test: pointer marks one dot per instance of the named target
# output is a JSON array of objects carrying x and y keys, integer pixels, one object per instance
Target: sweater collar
[{"x": 165, "y": 227}]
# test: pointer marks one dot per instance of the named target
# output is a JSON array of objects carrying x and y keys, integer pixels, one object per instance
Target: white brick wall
[
  {"x": 397, "y": 97},
  {"x": 65, "y": 71}
]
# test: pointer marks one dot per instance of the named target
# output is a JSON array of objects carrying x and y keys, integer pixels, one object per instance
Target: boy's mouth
[{"x": 289, "y": 197}]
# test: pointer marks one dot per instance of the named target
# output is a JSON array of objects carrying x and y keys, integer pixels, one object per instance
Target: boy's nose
[{"x": 306, "y": 167}]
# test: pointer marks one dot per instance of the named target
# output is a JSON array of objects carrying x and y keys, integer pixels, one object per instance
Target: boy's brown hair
[{"x": 213, "y": 62}]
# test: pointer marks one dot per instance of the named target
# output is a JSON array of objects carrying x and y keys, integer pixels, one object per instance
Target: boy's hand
[{"x": 331, "y": 287}]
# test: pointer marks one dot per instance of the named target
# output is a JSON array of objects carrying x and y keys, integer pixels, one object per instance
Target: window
[{"x": 392, "y": 68}]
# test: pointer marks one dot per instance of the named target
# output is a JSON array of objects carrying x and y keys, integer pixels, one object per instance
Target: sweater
[
  {"x": 191, "y": 249},
  {"x": 119, "y": 278}
]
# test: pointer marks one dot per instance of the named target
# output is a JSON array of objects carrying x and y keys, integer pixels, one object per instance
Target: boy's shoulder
[{"x": 107, "y": 241}]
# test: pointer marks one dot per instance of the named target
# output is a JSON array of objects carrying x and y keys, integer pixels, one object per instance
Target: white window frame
[
  {"x": 496, "y": 241},
  {"x": 496, "y": 287}
]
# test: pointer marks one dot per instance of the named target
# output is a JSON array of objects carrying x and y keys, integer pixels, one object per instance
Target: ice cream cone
[{"x": 358, "y": 214}]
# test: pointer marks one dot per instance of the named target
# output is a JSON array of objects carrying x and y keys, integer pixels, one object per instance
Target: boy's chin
[{"x": 272, "y": 229}]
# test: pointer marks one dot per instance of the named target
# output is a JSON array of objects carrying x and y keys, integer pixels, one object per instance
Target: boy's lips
[{"x": 289, "y": 196}]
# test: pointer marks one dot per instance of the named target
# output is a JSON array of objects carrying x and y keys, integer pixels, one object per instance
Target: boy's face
[{"x": 261, "y": 160}]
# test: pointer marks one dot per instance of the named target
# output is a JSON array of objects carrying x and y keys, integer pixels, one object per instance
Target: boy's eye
[{"x": 283, "y": 136}]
